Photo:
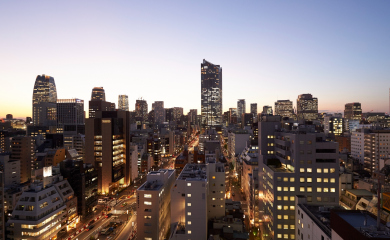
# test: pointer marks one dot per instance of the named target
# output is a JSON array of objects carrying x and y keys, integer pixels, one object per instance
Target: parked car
[{"x": 90, "y": 227}]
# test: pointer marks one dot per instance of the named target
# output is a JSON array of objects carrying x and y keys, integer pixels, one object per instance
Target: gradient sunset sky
[{"x": 339, "y": 51}]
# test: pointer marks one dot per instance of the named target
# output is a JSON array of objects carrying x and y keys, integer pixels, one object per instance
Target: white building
[
  {"x": 48, "y": 207},
  {"x": 197, "y": 196},
  {"x": 154, "y": 205},
  {"x": 237, "y": 141}
]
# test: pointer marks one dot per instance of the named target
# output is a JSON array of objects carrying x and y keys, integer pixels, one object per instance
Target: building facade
[
  {"x": 123, "y": 102},
  {"x": 307, "y": 107},
  {"x": 211, "y": 94},
  {"x": 241, "y": 109},
  {"x": 353, "y": 111},
  {"x": 141, "y": 109},
  {"x": 284, "y": 108},
  {"x": 44, "y": 101},
  {"x": 159, "y": 111}
]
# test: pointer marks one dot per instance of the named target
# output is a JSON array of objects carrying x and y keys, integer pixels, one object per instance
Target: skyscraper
[
  {"x": 241, "y": 108},
  {"x": 123, "y": 102},
  {"x": 44, "y": 101},
  {"x": 353, "y": 111},
  {"x": 70, "y": 114},
  {"x": 267, "y": 110},
  {"x": 98, "y": 102},
  {"x": 284, "y": 108},
  {"x": 307, "y": 107},
  {"x": 141, "y": 109},
  {"x": 159, "y": 111},
  {"x": 98, "y": 94},
  {"x": 211, "y": 94},
  {"x": 254, "y": 109}
]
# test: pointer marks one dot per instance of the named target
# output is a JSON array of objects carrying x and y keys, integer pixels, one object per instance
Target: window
[
  {"x": 292, "y": 207},
  {"x": 279, "y": 226},
  {"x": 188, "y": 213},
  {"x": 285, "y": 207},
  {"x": 285, "y": 198},
  {"x": 319, "y": 199},
  {"x": 278, "y": 179},
  {"x": 147, "y": 203},
  {"x": 302, "y": 189},
  {"x": 189, "y": 184},
  {"x": 189, "y": 195},
  {"x": 292, "y": 189},
  {"x": 301, "y": 170},
  {"x": 285, "y": 226},
  {"x": 189, "y": 204},
  {"x": 309, "y": 179},
  {"x": 213, "y": 177},
  {"x": 332, "y": 180},
  {"x": 279, "y": 216},
  {"x": 319, "y": 179},
  {"x": 285, "y": 217},
  {"x": 319, "y": 189},
  {"x": 285, "y": 179},
  {"x": 332, "y": 170},
  {"x": 279, "y": 189},
  {"x": 302, "y": 179},
  {"x": 292, "y": 198},
  {"x": 319, "y": 170},
  {"x": 326, "y": 170},
  {"x": 309, "y": 142},
  {"x": 309, "y": 170},
  {"x": 147, "y": 195},
  {"x": 292, "y": 226},
  {"x": 292, "y": 179},
  {"x": 279, "y": 198},
  {"x": 147, "y": 217},
  {"x": 285, "y": 189},
  {"x": 189, "y": 222},
  {"x": 326, "y": 179},
  {"x": 332, "y": 189},
  {"x": 326, "y": 189},
  {"x": 189, "y": 231},
  {"x": 279, "y": 207}
]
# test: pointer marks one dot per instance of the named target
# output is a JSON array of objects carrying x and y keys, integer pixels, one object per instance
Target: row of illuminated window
[
  {"x": 309, "y": 180},
  {"x": 309, "y": 189},
  {"x": 285, "y": 236},
  {"x": 285, "y": 198},
  {"x": 285, "y": 207},
  {"x": 319, "y": 170},
  {"x": 286, "y": 217},
  {"x": 285, "y": 226}
]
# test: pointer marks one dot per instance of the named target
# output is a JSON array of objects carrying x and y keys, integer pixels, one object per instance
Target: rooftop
[{"x": 194, "y": 172}]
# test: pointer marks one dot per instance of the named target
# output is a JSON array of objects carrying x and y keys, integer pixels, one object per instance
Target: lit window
[
  {"x": 189, "y": 195},
  {"x": 332, "y": 180},
  {"x": 332, "y": 170},
  {"x": 279, "y": 216},
  {"x": 292, "y": 226},
  {"x": 285, "y": 198},
  {"x": 302, "y": 189},
  {"x": 332, "y": 189},
  {"x": 309, "y": 189},
  {"x": 279, "y": 226},
  {"x": 319, "y": 170},
  {"x": 285, "y": 226},
  {"x": 326, "y": 189},
  {"x": 319, "y": 179},
  {"x": 309, "y": 179},
  {"x": 326, "y": 170},
  {"x": 309, "y": 170},
  {"x": 189, "y": 184},
  {"x": 279, "y": 198},
  {"x": 213, "y": 177},
  {"x": 285, "y": 236},
  {"x": 285, "y": 179},
  {"x": 285, "y": 189},
  {"x": 292, "y": 189},
  {"x": 189, "y": 204},
  {"x": 326, "y": 179},
  {"x": 292, "y": 207},
  {"x": 189, "y": 231},
  {"x": 147, "y": 203},
  {"x": 279, "y": 235},
  {"x": 319, "y": 189},
  {"x": 292, "y": 236},
  {"x": 189, "y": 213},
  {"x": 285, "y": 207},
  {"x": 189, "y": 222},
  {"x": 301, "y": 170},
  {"x": 213, "y": 199},
  {"x": 147, "y": 195},
  {"x": 279, "y": 189},
  {"x": 292, "y": 198},
  {"x": 279, "y": 207},
  {"x": 301, "y": 179},
  {"x": 285, "y": 217},
  {"x": 292, "y": 179}
]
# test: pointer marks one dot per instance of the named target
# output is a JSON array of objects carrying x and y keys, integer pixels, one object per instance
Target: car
[
  {"x": 90, "y": 227},
  {"x": 108, "y": 215},
  {"x": 92, "y": 221}
]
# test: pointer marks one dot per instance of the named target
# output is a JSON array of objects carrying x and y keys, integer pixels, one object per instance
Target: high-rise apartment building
[
  {"x": 241, "y": 108},
  {"x": 23, "y": 149},
  {"x": 154, "y": 205},
  {"x": 123, "y": 102},
  {"x": 353, "y": 111},
  {"x": 198, "y": 195},
  {"x": 192, "y": 115},
  {"x": 233, "y": 115},
  {"x": 98, "y": 102},
  {"x": 141, "y": 109},
  {"x": 254, "y": 109},
  {"x": 211, "y": 94},
  {"x": 159, "y": 111},
  {"x": 177, "y": 113},
  {"x": 284, "y": 108},
  {"x": 107, "y": 146},
  {"x": 44, "y": 101},
  {"x": 307, "y": 107},
  {"x": 293, "y": 162}
]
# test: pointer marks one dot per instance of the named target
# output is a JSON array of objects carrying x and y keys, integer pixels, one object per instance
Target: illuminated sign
[
  {"x": 106, "y": 121},
  {"x": 47, "y": 171}
]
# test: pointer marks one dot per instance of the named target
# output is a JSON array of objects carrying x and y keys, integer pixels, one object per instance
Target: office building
[
  {"x": 237, "y": 141},
  {"x": 198, "y": 195},
  {"x": 98, "y": 94},
  {"x": 98, "y": 102},
  {"x": 267, "y": 110},
  {"x": 70, "y": 116},
  {"x": 9, "y": 117},
  {"x": 159, "y": 111},
  {"x": 44, "y": 101},
  {"x": 123, "y": 102},
  {"x": 241, "y": 108},
  {"x": 284, "y": 108},
  {"x": 23, "y": 149},
  {"x": 169, "y": 115},
  {"x": 177, "y": 113},
  {"x": 154, "y": 205},
  {"x": 192, "y": 116},
  {"x": 233, "y": 118},
  {"x": 141, "y": 109},
  {"x": 307, "y": 107},
  {"x": 44, "y": 210},
  {"x": 333, "y": 125},
  {"x": 292, "y": 162},
  {"x": 254, "y": 109},
  {"x": 10, "y": 169},
  {"x": 107, "y": 147},
  {"x": 353, "y": 111},
  {"x": 211, "y": 94}
]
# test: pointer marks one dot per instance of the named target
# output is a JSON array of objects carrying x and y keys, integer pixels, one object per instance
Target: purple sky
[{"x": 269, "y": 50}]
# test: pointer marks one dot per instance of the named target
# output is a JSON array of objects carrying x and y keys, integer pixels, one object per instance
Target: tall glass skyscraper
[
  {"x": 123, "y": 102},
  {"x": 241, "y": 108},
  {"x": 307, "y": 107},
  {"x": 211, "y": 94},
  {"x": 44, "y": 101}
]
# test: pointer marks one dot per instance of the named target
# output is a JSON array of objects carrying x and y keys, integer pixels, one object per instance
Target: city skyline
[{"x": 338, "y": 56}]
